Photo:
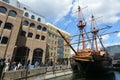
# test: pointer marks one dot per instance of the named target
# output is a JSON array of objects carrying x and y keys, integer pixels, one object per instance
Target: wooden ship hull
[
  {"x": 92, "y": 68},
  {"x": 91, "y": 63}
]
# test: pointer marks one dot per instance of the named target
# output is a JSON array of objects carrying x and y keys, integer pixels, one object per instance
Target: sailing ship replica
[{"x": 89, "y": 61}]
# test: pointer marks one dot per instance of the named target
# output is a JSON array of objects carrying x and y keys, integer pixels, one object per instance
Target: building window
[
  {"x": 52, "y": 35},
  {"x": 23, "y": 33},
  {"x": 42, "y": 37},
  {"x": 32, "y": 17},
  {"x": 3, "y": 9},
  {"x": 39, "y": 27},
  {"x": 7, "y": 1},
  {"x": 4, "y": 40},
  {"x": 49, "y": 34},
  {"x": 24, "y": 8},
  {"x": 26, "y": 14},
  {"x": 30, "y": 34},
  {"x": 25, "y": 23},
  {"x": 8, "y": 26},
  {"x": 12, "y": 13},
  {"x": 37, "y": 36},
  {"x": 0, "y": 23},
  {"x": 44, "y": 29},
  {"x": 39, "y": 19},
  {"x": 32, "y": 25}
]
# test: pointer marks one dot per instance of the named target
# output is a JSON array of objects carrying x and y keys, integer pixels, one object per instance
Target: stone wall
[{"x": 27, "y": 74}]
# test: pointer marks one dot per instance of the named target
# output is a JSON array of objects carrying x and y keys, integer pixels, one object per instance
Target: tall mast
[
  {"x": 81, "y": 25},
  {"x": 94, "y": 32}
]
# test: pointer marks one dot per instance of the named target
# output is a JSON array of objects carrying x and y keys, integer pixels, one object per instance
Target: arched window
[
  {"x": 7, "y": 1},
  {"x": 30, "y": 34},
  {"x": 12, "y": 13},
  {"x": 37, "y": 36},
  {"x": 8, "y": 26},
  {"x": 3, "y": 9},
  {"x": 23, "y": 33},
  {"x": 25, "y": 23},
  {"x": 44, "y": 29},
  {"x": 4, "y": 40},
  {"x": 0, "y": 23},
  {"x": 32, "y": 17},
  {"x": 26, "y": 14},
  {"x": 37, "y": 56},
  {"x": 39, "y": 27},
  {"x": 42, "y": 37},
  {"x": 32, "y": 25},
  {"x": 39, "y": 19}
]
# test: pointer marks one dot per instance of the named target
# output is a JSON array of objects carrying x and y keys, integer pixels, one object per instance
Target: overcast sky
[{"x": 62, "y": 13}]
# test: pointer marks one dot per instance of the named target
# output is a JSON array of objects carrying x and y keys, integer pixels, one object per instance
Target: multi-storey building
[
  {"x": 56, "y": 45},
  {"x": 24, "y": 35},
  {"x": 114, "y": 50},
  {"x": 27, "y": 11},
  {"x": 21, "y": 37}
]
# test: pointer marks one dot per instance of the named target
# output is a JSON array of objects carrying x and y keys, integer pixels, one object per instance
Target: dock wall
[{"x": 42, "y": 72}]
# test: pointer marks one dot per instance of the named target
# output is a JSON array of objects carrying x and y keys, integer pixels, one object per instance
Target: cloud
[
  {"x": 118, "y": 35},
  {"x": 54, "y": 10},
  {"x": 109, "y": 44},
  {"x": 68, "y": 22},
  {"x": 109, "y": 9},
  {"x": 105, "y": 37}
]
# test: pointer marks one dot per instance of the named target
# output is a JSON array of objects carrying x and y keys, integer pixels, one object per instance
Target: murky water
[{"x": 115, "y": 76}]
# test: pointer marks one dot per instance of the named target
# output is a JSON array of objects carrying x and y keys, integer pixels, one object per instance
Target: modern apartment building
[
  {"x": 113, "y": 50},
  {"x": 56, "y": 45}
]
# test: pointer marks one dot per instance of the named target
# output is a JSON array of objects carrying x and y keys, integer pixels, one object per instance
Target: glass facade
[
  {"x": 61, "y": 49},
  {"x": 7, "y": 1}
]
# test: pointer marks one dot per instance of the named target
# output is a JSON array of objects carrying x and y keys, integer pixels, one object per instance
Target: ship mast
[
  {"x": 94, "y": 32},
  {"x": 81, "y": 26}
]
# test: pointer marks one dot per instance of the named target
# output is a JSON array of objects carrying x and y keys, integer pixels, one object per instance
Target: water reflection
[
  {"x": 106, "y": 77},
  {"x": 113, "y": 76}
]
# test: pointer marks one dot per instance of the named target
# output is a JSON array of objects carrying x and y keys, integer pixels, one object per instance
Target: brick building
[
  {"x": 21, "y": 38},
  {"x": 24, "y": 35}
]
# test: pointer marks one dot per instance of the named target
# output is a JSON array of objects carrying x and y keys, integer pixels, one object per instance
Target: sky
[{"x": 63, "y": 14}]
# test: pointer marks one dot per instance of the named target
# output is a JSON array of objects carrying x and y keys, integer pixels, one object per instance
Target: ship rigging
[{"x": 89, "y": 61}]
